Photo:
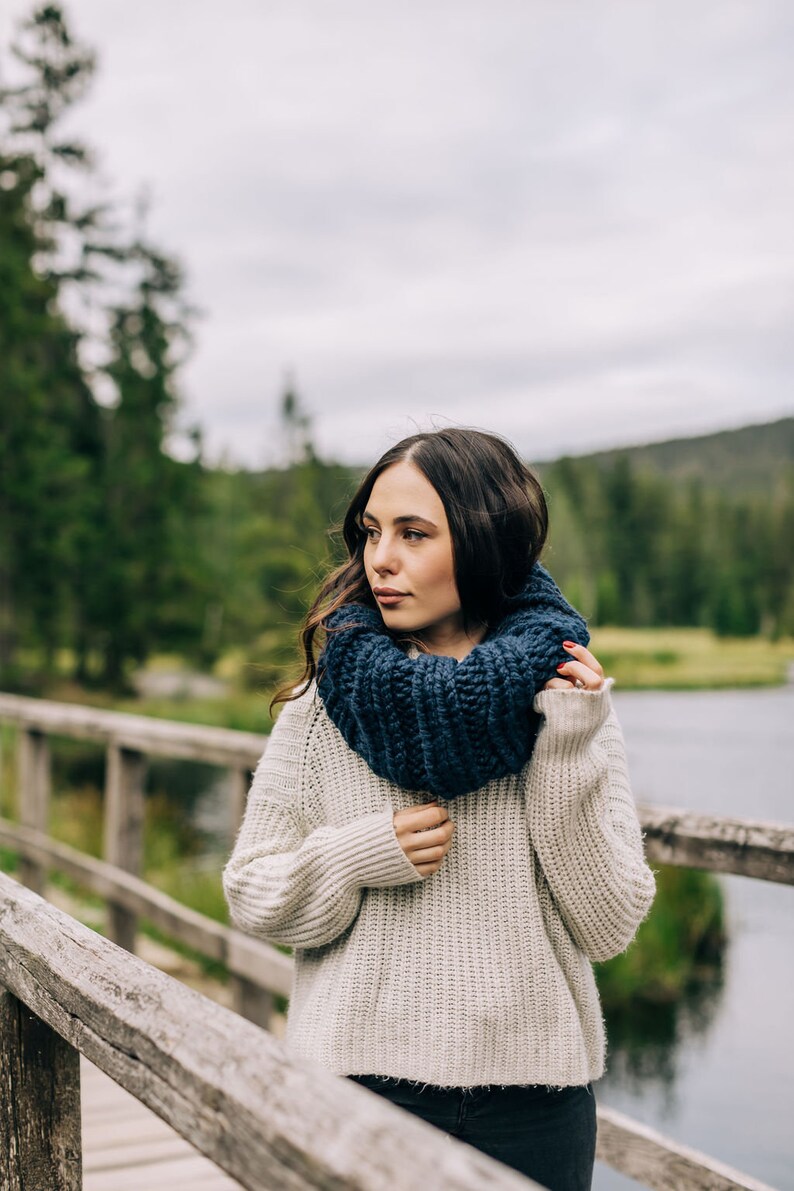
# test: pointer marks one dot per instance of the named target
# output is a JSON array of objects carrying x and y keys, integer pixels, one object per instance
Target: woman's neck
[{"x": 451, "y": 641}]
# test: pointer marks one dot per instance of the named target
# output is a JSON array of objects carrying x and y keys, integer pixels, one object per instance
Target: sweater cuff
[
  {"x": 574, "y": 712},
  {"x": 369, "y": 853}
]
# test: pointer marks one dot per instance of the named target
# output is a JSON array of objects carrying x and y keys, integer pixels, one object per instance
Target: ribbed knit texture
[
  {"x": 435, "y": 723},
  {"x": 479, "y": 973}
]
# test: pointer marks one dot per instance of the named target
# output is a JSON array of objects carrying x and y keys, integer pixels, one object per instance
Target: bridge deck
[{"x": 126, "y": 1147}]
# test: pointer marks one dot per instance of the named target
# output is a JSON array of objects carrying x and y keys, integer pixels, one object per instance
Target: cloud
[{"x": 570, "y": 223}]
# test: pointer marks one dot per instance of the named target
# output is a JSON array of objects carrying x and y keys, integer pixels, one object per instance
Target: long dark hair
[{"x": 498, "y": 522}]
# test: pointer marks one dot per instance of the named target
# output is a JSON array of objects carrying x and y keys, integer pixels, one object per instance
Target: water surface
[{"x": 725, "y": 1084}]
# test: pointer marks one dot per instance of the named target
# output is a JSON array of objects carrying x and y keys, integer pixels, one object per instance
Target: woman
[{"x": 443, "y": 944}]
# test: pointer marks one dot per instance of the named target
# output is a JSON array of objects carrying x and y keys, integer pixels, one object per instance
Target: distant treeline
[
  {"x": 111, "y": 550},
  {"x": 212, "y": 561},
  {"x": 637, "y": 548}
]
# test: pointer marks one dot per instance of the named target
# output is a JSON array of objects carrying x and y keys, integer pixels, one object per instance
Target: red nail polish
[
  {"x": 562, "y": 665},
  {"x": 569, "y": 644}
]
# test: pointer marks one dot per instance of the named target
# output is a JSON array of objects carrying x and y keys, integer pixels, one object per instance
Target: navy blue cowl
[{"x": 433, "y": 723}]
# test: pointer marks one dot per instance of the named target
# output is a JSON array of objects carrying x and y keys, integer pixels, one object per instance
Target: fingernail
[
  {"x": 562, "y": 665},
  {"x": 569, "y": 644}
]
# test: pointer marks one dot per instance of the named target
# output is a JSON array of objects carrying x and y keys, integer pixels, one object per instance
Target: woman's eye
[{"x": 372, "y": 533}]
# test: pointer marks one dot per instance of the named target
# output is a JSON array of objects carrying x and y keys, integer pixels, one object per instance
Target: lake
[{"x": 725, "y": 1084}]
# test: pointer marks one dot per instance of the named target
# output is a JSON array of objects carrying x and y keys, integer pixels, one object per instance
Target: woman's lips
[{"x": 388, "y": 597}]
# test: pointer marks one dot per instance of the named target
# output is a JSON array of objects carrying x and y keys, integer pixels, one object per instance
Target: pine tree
[
  {"x": 48, "y": 435},
  {"x": 147, "y": 493},
  {"x": 93, "y": 508}
]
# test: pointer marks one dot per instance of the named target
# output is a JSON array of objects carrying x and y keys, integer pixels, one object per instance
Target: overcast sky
[{"x": 569, "y": 222}]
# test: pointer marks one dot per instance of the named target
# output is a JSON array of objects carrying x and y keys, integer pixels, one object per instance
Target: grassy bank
[
  {"x": 638, "y": 659},
  {"x": 690, "y": 659}
]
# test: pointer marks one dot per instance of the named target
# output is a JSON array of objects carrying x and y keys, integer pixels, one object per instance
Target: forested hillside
[
  {"x": 694, "y": 531},
  {"x": 751, "y": 459},
  {"x": 631, "y": 543},
  {"x": 112, "y": 551}
]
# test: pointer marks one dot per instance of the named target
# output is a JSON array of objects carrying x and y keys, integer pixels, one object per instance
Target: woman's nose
[{"x": 383, "y": 558}]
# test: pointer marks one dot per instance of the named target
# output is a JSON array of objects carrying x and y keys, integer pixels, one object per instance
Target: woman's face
[{"x": 408, "y": 555}]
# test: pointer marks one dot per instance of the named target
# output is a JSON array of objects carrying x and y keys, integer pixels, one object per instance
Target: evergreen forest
[{"x": 118, "y": 542}]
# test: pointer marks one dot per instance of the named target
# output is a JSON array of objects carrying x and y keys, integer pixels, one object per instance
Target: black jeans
[{"x": 548, "y": 1135}]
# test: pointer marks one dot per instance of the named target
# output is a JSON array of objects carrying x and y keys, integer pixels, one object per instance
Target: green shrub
[{"x": 680, "y": 945}]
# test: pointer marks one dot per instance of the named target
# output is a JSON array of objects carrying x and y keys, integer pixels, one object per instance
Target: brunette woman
[{"x": 442, "y": 825}]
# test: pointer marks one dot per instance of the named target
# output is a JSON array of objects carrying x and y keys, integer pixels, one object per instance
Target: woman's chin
[
  {"x": 401, "y": 620},
  {"x": 398, "y": 618}
]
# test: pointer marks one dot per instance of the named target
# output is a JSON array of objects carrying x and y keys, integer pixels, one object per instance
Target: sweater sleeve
[
  {"x": 584, "y": 822},
  {"x": 297, "y": 887}
]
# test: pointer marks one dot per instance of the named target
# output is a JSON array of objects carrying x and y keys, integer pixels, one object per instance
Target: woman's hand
[
  {"x": 583, "y": 671},
  {"x": 424, "y": 834}
]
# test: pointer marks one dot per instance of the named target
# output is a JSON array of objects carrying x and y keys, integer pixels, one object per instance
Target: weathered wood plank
[
  {"x": 100, "y": 1107},
  {"x": 33, "y": 797},
  {"x": 139, "y": 1153},
  {"x": 748, "y": 847},
  {"x": 138, "y": 1149},
  {"x": 239, "y": 784},
  {"x": 100, "y": 1116},
  {"x": 39, "y": 1103},
  {"x": 139, "y": 733},
  {"x": 125, "y": 802},
  {"x": 260, "y": 962},
  {"x": 657, "y": 1162},
  {"x": 268, "y": 1118},
  {"x": 253, "y": 959},
  {"x": 177, "y": 1174},
  {"x": 121, "y": 1131},
  {"x": 253, "y": 1002}
]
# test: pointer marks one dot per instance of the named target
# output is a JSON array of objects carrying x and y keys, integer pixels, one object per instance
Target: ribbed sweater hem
[{"x": 417, "y": 1071}]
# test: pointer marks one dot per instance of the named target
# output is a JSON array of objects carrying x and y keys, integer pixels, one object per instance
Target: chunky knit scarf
[{"x": 431, "y": 722}]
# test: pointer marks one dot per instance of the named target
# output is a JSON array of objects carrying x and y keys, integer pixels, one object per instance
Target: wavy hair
[{"x": 498, "y": 521}]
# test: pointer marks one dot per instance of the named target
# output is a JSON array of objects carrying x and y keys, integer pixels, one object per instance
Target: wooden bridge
[{"x": 200, "y": 1095}]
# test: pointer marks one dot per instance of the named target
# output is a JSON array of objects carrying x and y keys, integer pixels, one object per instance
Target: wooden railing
[
  {"x": 228, "y": 1087},
  {"x": 261, "y": 1142},
  {"x": 256, "y": 970}
]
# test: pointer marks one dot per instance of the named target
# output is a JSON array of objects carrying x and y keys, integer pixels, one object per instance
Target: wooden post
[
  {"x": 239, "y": 784},
  {"x": 39, "y": 1103},
  {"x": 33, "y": 797},
  {"x": 252, "y": 1001},
  {"x": 125, "y": 776}
]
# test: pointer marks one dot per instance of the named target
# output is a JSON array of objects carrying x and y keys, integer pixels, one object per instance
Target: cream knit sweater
[{"x": 479, "y": 973}]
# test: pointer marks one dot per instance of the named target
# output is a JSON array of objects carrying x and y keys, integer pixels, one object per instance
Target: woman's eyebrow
[{"x": 404, "y": 520}]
